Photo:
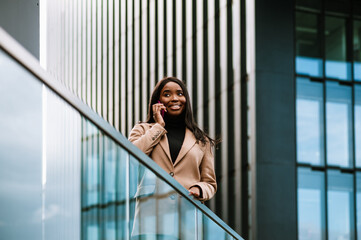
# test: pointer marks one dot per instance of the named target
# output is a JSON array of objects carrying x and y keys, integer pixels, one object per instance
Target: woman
[{"x": 171, "y": 137}]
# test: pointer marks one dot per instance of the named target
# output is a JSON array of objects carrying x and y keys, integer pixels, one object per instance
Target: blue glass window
[
  {"x": 311, "y": 204},
  {"x": 337, "y": 64},
  {"x": 340, "y": 207},
  {"x": 309, "y": 113},
  {"x": 339, "y": 125},
  {"x": 357, "y": 89},
  {"x": 357, "y": 49},
  {"x": 308, "y": 45}
]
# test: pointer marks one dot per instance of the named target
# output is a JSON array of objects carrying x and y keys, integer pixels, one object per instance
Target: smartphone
[{"x": 161, "y": 111}]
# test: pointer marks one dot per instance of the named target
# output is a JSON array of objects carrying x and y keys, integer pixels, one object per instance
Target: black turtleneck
[{"x": 176, "y": 129}]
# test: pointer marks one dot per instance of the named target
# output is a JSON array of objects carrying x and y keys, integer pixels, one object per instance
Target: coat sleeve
[
  {"x": 208, "y": 182},
  {"x": 146, "y": 138}
]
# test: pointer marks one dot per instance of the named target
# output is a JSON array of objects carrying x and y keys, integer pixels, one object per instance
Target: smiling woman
[{"x": 171, "y": 137}]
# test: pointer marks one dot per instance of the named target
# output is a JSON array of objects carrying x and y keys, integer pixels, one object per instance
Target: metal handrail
[{"x": 28, "y": 61}]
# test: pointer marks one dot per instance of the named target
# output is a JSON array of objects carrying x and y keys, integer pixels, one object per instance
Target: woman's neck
[{"x": 177, "y": 121}]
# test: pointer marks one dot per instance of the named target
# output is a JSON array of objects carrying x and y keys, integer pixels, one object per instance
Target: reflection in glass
[
  {"x": 109, "y": 185},
  {"x": 62, "y": 186},
  {"x": 339, "y": 124},
  {"x": 188, "y": 213},
  {"x": 337, "y": 64},
  {"x": 358, "y": 204},
  {"x": 311, "y": 204},
  {"x": 357, "y": 89},
  {"x": 90, "y": 183},
  {"x": 20, "y": 152},
  {"x": 122, "y": 193},
  {"x": 155, "y": 213},
  {"x": 308, "y": 47},
  {"x": 340, "y": 207},
  {"x": 357, "y": 49},
  {"x": 309, "y": 113},
  {"x": 309, "y": 4},
  {"x": 104, "y": 200},
  {"x": 212, "y": 231}
]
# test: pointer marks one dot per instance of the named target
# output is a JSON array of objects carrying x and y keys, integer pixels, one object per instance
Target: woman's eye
[
  {"x": 180, "y": 94},
  {"x": 166, "y": 95}
]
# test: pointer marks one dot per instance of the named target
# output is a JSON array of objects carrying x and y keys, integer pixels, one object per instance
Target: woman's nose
[{"x": 174, "y": 97}]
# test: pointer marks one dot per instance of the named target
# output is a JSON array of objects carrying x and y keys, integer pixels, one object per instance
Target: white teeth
[{"x": 175, "y": 107}]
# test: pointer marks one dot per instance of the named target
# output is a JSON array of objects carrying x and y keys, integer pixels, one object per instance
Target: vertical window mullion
[
  {"x": 156, "y": 41},
  {"x": 198, "y": 88},
  {"x": 122, "y": 65},
  {"x": 160, "y": 44},
  {"x": 136, "y": 62}
]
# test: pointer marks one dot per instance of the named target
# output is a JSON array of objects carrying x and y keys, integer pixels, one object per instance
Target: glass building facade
[
  {"x": 328, "y": 88},
  {"x": 65, "y": 172}
]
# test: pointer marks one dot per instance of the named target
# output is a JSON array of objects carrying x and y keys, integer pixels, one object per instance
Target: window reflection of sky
[
  {"x": 339, "y": 125},
  {"x": 358, "y": 125},
  {"x": 309, "y": 66},
  {"x": 338, "y": 138},
  {"x": 311, "y": 214},
  {"x": 338, "y": 70},
  {"x": 309, "y": 139},
  {"x": 340, "y": 205},
  {"x": 357, "y": 71},
  {"x": 339, "y": 215},
  {"x": 309, "y": 110},
  {"x": 313, "y": 67}
]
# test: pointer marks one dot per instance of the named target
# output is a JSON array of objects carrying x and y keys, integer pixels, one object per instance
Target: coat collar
[
  {"x": 188, "y": 143},
  {"x": 165, "y": 145}
]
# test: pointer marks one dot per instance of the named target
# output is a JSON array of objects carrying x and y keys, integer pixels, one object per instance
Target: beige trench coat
[{"x": 194, "y": 164}]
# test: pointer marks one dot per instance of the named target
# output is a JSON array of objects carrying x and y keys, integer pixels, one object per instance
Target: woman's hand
[
  {"x": 157, "y": 108},
  {"x": 194, "y": 191}
]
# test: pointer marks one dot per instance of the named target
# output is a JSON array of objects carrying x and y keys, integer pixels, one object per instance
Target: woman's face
[{"x": 173, "y": 99}]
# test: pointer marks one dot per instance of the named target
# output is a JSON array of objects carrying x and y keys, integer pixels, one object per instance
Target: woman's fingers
[
  {"x": 157, "y": 108},
  {"x": 193, "y": 194}
]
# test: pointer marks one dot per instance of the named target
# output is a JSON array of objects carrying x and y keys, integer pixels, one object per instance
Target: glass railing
[{"x": 65, "y": 172}]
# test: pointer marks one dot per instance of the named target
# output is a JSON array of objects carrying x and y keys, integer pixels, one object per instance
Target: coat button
[{"x": 171, "y": 173}]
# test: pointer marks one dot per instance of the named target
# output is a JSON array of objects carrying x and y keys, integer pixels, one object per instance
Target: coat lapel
[
  {"x": 164, "y": 144},
  {"x": 188, "y": 143}
]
